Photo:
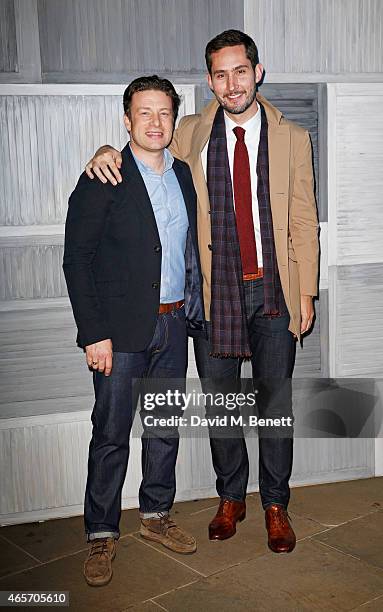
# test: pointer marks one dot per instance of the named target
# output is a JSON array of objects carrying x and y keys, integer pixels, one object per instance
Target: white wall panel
[
  {"x": 359, "y": 161},
  {"x": 318, "y": 37},
  {"x": 48, "y": 134},
  {"x": 355, "y": 246}
]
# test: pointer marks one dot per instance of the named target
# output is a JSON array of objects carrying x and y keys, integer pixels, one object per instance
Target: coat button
[
  {"x": 157, "y": 248},
  {"x": 209, "y": 247},
  {"x": 155, "y": 285}
]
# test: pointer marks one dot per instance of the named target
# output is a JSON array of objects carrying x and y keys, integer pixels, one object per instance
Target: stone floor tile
[
  {"x": 361, "y": 537},
  {"x": 140, "y": 573},
  {"x": 313, "y": 577},
  {"x": 147, "y": 606},
  {"x": 12, "y": 559},
  {"x": 58, "y": 537},
  {"x": 249, "y": 542},
  {"x": 336, "y": 503},
  {"x": 376, "y": 605}
]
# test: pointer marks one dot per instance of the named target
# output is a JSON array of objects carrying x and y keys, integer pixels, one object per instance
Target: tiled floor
[{"x": 337, "y": 564}]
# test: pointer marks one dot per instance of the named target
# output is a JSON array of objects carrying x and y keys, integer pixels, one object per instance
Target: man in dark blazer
[{"x": 134, "y": 280}]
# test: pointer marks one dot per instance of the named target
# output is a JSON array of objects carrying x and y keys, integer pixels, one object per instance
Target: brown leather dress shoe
[
  {"x": 281, "y": 537},
  {"x": 223, "y": 524}
]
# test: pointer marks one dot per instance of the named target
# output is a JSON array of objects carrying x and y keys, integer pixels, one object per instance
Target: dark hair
[
  {"x": 231, "y": 38},
  {"x": 146, "y": 83}
]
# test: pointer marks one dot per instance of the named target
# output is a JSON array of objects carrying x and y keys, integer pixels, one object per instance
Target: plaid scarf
[{"x": 229, "y": 330}]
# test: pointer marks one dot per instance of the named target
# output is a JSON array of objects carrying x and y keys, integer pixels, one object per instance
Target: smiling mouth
[
  {"x": 235, "y": 96},
  {"x": 154, "y": 134}
]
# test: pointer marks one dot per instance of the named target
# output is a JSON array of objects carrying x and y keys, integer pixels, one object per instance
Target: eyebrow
[
  {"x": 150, "y": 108},
  {"x": 232, "y": 70}
]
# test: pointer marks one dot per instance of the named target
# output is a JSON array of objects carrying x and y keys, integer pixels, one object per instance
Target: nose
[
  {"x": 156, "y": 119},
  {"x": 232, "y": 82}
]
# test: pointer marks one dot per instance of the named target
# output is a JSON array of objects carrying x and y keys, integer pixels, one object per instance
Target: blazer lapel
[
  {"x": 190, "y": 208},
  {"x": 135, "y": 188}
]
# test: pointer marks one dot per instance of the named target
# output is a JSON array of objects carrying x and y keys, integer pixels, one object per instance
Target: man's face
[
  {"x": 151, "y": 122},
  {"x": 233, "y": 80}
]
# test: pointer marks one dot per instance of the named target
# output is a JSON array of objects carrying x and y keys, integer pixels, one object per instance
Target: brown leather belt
[
  {"x": 164, "y": 308},
  {"x": 254, "y": 276}
]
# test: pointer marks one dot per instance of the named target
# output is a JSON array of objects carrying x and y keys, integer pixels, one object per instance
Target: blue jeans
[
  {"x": 112, "y": 418},
  {"x": 273, "y": 356}
]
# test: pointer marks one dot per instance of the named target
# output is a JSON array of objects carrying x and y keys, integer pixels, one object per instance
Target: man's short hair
[
  {"x": 146, "y": 83},
  {"x": 231, "y": 38}
]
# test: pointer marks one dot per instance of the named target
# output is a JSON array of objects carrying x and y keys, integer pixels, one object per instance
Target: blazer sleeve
[
  {"x": 89, "y": 207},
  {"x": 303, "y": 223}
]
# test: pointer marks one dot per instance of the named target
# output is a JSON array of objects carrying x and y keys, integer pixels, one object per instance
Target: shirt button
[
  {"x": 155, "y": 285},
  {"x": 209, "y": 247},
  {"x": 157, "y": 248}
]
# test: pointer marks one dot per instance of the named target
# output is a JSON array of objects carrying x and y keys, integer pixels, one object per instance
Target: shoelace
[
  {"x": 99, "y": 547},
  {"x": 165, "y": 520}
]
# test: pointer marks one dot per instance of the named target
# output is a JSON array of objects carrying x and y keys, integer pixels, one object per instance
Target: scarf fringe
[{"x": 246, "y": 355}]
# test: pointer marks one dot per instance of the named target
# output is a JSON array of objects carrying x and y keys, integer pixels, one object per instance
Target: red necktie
[{"x": 243, "y": 204}]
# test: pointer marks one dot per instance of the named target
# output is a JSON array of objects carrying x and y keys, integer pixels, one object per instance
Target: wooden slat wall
[
  {"x": 355, "y": 229},
  {"x": 114, "y": 37},
  {"x": 317, "y": 36},
  {"x": 8, "y": 50}
]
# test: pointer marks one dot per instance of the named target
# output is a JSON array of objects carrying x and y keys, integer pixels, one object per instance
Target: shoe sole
[
  {"x": 104, "y": 581},
  {"x": 288, "y": 550},
  {"x": 169, "y": 544},
  {"x": 214, "y": 538}
]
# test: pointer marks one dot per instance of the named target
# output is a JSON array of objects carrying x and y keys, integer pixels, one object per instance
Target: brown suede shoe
[
  {"x": 98, "y": 566},
  {"x": 229, "y": 512},
  {"x": 281, "y": 537},
  {"x": 165, "y": 531}
]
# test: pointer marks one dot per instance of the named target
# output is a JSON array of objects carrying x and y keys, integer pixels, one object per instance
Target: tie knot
[{"x": 239, "y": 133}]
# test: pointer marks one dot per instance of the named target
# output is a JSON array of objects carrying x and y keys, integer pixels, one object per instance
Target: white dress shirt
[{"x": 252, "y": 135}]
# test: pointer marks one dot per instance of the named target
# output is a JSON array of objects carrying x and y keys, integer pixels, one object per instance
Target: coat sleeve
[
  {"x": 89, "y": 207},
  {"x": 303, "y": 224}
]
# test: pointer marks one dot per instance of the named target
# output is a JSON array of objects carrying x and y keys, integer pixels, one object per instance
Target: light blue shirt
[{"x": 172, "y": 222}]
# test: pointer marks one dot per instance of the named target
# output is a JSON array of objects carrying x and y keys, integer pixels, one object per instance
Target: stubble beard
[{"x": 237, "y": 110}]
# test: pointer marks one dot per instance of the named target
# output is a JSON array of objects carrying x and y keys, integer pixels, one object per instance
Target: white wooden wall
[
  {"x": 318, "y": 40},
  {"x": 46, "y": 389},
  {"x": 46, "y": 136}
]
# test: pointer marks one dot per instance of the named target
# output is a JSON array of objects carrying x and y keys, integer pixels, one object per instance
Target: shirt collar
[
  {"x": 252, "y": 124},
  {"x": 145, "y": 169}
]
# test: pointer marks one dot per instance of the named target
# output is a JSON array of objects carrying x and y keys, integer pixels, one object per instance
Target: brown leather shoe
[
  {"x": 165, "y": 531},
  {"x": 98, "y": 566},
  {"x": 223, "y": 524},
  {"x": 281, "y": 535}
]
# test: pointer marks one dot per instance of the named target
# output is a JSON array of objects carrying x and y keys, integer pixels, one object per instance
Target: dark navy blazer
[{"x": 112, "y": 259}]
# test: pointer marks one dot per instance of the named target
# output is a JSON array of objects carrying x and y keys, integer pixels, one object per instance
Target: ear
[
  {"x": 127, "y": 122},
  {"x": 258, "y": 73},
  {"x": 209, "y": 81}
]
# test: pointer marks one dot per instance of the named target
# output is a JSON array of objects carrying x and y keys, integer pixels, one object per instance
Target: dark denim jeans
[
  {"x": 273, "y": 356},
  {"x": 112, "y": 418}
]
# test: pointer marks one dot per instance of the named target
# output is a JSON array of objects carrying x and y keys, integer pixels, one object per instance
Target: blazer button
[
  {"x": 155, "y": 285},
  {"x": 157, "y": 248},
  {"x": 209, "y": 247}
]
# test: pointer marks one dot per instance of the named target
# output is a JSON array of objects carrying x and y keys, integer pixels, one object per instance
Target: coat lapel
[{"x": 135, "y": 188}]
